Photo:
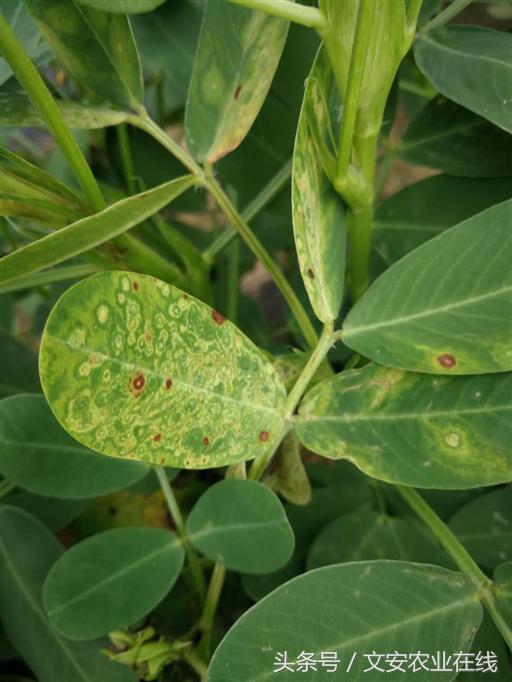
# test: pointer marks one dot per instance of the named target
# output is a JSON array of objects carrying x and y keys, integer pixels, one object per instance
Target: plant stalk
[
  {"x": 311, "y": 17},
  {"x": 29, "y": 78},
  {"x": 443, "y": 17},
  {"x": 460, "y": 556},
  {"x": 176, "y": 515}
]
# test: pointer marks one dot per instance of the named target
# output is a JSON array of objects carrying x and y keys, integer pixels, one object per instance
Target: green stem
[
  {"x": 311, "y": 17},
  {"x": 212, "y": 597},
  {"x": 29, "y": 78},
  {"x": 459, "y": 555},
  {"x": 174, "y": 510},
  {"x": 269, "y": 192},
  {"x": 443, "y": 17},
  {"x": 196, "y": 663},
  {"x": 365, "y": 18},
  {"x": 413, "y": 11},
  {"x": 5, "y": 487},
  {"x": 301, "y": 317},
  {"x": 233, "y": 282},
  {"x": 317, "y": 357}
]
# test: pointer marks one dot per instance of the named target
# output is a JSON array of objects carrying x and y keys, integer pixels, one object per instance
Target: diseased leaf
[
  {"x": 319, "y": 222},
  {"x": 380, "y": 606},
  {"x": 17, "y": 110},
  {"x": 471, "y": 66},
  {"x": 292, "y": 479},
  {"x": 122, "y": 6},
  {"x": 425, "y": 209},
  {"x": 484, "y": 526},
  {"x": 502, "y": 588},
  {"x": 39, "y": 456},
  {"x": 92, "y": 231},
  {"x": 242, "y": 525},
  {"x": 101, "y": 584},
  {"x": 23, "y": 568},
  {"x": 446, "y": 307},
  {"x": 231, "y": 76},
  {"x": 18, "y": 367},
  {"x": 456, "y": 141},
  {"x": 19, "y": 19},
  {"x": 368, "y": 534},
  {"x": 133, "y": 367},
  {"x": 414, "y": 429},
  {"x": 289, "y": 366},
  {"x": 96, "y": 48}
]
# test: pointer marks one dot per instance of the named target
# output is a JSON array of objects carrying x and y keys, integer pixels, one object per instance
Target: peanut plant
[{"x": 194, "y": 489}]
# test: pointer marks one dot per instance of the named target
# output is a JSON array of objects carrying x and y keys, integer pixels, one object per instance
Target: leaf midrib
[{"x": 234, "y": 527}]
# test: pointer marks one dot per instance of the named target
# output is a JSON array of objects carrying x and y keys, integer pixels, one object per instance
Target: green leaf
[
  {"x": 37, "y": 455},
  {"x": 92, "y": 231},
  {"x": 242, "y": 525},
  {"x": 471, "y": 66},
  {"x": 484, "y": 526},
  {"x": 133, "y": 367},
  {"x": 425, "y": 209},
  {"x": 319, "y": 223},
  {"x": 445, "y": 307},
  {"x": 96, "y": 48},
  {"x": 53, "y": 512},
  {"x": 368, "y": 534},
  {"x": 456, "y": 141},
  {"x": 18, "y": 367},
  {"x": 488, "y": 639},
  {"x": 231, "y": 76},
  {"x": 402, "y": 427},
  {"x": 122, "y": 6},
  {"x": 111, "y": 580},
  {"x": 17, "y": 110},
  {"x": 502, "y": 588},
  {"x": 27, "y": 551},
  {"x": 379, "y": 606},
  {"x": 19, "y": 19}
]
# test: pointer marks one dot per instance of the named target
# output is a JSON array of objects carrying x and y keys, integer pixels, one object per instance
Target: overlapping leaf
[
  {"x": 380, "y": 606},
  {"x": 241, "y": 524},
  {"x": 446, "y": 307},
  {"x": 319, "y": 222},
  {"x": 402, "y": 427},
  {"x": 470, "y": 65},
  {"x": 96, "y": 48},
  {"x": 122, "y": 6},
  {"x": 101, "y": 584},
  {"x": 39, "y": 456},
  {"x": 133, "y": 367},
  {"x": 231, "y": 76}
]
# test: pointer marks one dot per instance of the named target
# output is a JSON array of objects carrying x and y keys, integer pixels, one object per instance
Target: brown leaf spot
[
  {"x": 264, "y": 436},
  {"x": 311, "y": 274},
  {"x": 148, "y": 336},
  {"x": 136, "y": 286},
  {"x": 138, "y": 382},
  {"x": 168, "y": 383},
  {"x": 447, "y": 361},
  {"x": 206, "y": 441},
  {"x": 185, "y": 297},
  {"x": 238, "y": 91},
  {"x": 157, "y": 438},
  {"x": 217, "y": 317}
]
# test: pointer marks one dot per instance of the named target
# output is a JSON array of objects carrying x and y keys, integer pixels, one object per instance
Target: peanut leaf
[
  {"x": 471, "y": 66},
  {"x": 39, "y": 456},
  {"x": 446, "y": 307},
  {"x": 414, "y": 429},
  {"x": 92, "y": 231},
  {"x": 380, "y": 606},
  {"x": 231, "y": 76},
  {"x": 27, "y": 552},
  {"x": 243, "y": 525},
  {"x": 122, "y": 6},
  {"x": 502, "y": 588},
  {"x": 18, "y": 367},
  {"x": 96, "y": 586},
  {"x": 319, "y": 222},
  {"x": 133, "y": 367},
  {"x": 96, "y": 48}
]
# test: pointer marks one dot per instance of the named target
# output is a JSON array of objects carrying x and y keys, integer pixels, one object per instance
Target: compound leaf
[
  {"x": 102, "y": 583},
  {"x": 446, "y": 307},
  {"x": 414, "y": 429},
  {"x": 133, "y": 367},
  {"x": 231, "y": 76},
  {"x": 39, "y": 456},
  {"x": 243, "y": 525}
]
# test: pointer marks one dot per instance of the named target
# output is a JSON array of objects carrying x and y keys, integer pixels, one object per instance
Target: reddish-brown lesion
[
  {"x": 136, "y": 385},
  {"x": 217, "y": 317},
  {"x": 206, "y": 440},
  {"x": 447, "y": 361},
  {"x": 168, "y": 383},
  {"x": 263, "y": 436},
  {"x": 157, "y": 438}
]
